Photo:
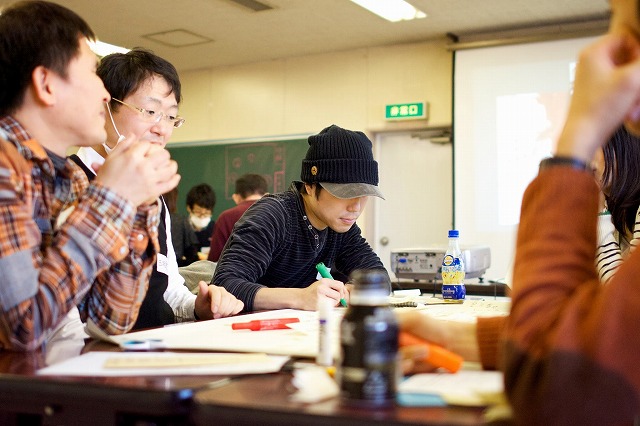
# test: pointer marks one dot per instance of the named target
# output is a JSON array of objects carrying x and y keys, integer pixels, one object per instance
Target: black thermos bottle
[{"x": 368, "y": 368}]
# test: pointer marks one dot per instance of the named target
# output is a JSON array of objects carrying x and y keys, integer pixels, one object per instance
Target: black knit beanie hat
[{"x": 342, "y": 162}]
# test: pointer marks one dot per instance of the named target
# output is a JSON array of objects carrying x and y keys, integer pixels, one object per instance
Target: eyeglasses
[
  {"x": 200, "y": 212},
  {"x": 153, "y": 116}
]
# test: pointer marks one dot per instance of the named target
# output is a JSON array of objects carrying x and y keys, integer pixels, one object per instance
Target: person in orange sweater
[
  {"x": 571, "y": 344},
  {"x": 618, "y": 172}
]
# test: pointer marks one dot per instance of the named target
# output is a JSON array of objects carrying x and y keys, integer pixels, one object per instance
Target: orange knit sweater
[
  {"x": 572, "y": 346},
  {"x": 488, "y": 332}
]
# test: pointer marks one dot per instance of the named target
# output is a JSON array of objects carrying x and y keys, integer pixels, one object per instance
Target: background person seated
[
  {"x": 201, "y": 199},
  {"x": 249, "y": 189}
]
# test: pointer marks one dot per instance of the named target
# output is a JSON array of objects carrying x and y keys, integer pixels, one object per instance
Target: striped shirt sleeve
[
  {"x": 612, "y": 248},
  {"x": 608, "y": 252},
  {"x": 273, "y": 246}
]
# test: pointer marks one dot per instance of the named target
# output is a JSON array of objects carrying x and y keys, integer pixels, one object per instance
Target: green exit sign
[{"x": 412, "y": 110}]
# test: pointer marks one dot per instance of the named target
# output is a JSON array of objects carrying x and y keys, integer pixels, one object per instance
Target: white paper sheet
[
  {"x": 472, "y": 308},
  {"x": 300, "y": 340},
  {"x": 216, "y": 335},
  {"x": 93, "y": 364}
]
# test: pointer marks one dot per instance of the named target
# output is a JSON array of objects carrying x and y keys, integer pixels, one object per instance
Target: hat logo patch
[{"x": 314, "y": 170}]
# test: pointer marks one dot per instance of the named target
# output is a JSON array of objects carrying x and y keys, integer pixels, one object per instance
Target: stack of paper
[{"x": 466, "y": 387}]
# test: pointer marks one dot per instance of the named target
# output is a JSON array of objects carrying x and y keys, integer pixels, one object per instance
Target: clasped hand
[{"x": 139, "y": 171}]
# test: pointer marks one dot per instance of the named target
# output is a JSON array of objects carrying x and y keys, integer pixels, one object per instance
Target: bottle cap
[
  {"x": 454, "y": 233},
  {"x": 370, "y": 286}
]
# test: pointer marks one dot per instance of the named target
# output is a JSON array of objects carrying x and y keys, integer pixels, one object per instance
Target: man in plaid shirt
[{"x": 51, "y": 100}]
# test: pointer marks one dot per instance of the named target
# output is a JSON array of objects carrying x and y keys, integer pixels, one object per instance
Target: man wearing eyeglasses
[
  {"x": 98, "y": 255},
  {"x": 145, "y": 92}
]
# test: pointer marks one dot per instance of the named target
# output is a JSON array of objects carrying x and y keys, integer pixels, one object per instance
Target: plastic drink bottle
[{"x": 453, "y": 289}]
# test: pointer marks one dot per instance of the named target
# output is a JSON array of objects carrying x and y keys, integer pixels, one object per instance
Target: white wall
[{"x": 305, "y": 94}]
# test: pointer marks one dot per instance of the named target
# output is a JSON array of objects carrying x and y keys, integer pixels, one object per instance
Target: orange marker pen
[
  {"x": 266, "y": 324},
  {"x": 436, "y": 355}
]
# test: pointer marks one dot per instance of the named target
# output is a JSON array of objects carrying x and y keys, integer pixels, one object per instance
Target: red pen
[{"x": 266, "y": 324}]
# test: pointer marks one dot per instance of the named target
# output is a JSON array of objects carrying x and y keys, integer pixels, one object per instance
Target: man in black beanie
[{"x": 269, "y": 262}]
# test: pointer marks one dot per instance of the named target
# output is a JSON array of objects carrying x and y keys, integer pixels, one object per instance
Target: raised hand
[{"x": 139, "y": 171}]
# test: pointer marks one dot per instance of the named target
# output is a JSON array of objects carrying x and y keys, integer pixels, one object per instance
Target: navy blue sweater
[{"x": 272, "y": 246}]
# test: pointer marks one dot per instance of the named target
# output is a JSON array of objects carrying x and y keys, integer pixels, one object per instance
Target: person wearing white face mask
[
  {"x": 199, "y": 222},
  {"x": 201, "y": 199},
  {"x": 145, "y": 92}
]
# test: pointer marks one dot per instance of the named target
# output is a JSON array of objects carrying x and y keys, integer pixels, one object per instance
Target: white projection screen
[{"x": 509, "y": 106}]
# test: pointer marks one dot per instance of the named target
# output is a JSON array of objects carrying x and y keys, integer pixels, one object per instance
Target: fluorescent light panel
[
  {"x": 102, "y": 49},
  {"x": 392, "y": 10}
]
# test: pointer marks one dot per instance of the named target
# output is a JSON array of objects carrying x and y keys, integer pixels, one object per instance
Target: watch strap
[{"x": 564, "y": 162}]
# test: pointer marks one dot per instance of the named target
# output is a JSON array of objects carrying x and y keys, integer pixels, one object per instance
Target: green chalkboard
[{"x": 219, "y": 165}]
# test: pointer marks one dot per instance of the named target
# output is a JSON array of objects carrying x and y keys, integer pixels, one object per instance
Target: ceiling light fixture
[
  {"x": 178, "y": 38},
  {"x": 103, "y": 49},
  {"x": 392, "y": 10}
]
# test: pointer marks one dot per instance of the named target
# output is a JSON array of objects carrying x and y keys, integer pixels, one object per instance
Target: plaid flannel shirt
[{"x": 65, "y": 242}]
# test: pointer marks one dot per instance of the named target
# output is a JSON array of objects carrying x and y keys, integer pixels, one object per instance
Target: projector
[{"x": 426, "y": 263}]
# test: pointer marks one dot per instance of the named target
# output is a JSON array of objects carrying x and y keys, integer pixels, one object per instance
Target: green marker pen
[{"x": 324, "y": 273}]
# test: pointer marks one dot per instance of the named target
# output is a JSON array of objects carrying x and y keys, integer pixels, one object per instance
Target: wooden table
[
  {"x": 264, "y": 400},
  {"x": 26, "y": 398}
]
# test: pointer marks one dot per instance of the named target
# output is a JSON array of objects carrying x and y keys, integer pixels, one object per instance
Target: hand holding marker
[
  {"x": 324, "y": 273},
  {"x": 436, "y": 355}
]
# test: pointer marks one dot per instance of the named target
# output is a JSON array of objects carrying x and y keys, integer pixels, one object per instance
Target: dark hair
[
  {"x": 621, "y": 178},
  {"x": 202, "y": 195},
  {"x": 124, "y": 73},
  {"x": 33, "y": 34},
  {"x": 303, "y": 189},
  {"x": 251, "y": 184}
]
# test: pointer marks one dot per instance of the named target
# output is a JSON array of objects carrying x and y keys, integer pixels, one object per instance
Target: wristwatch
[{"x": 565, "y": 162}]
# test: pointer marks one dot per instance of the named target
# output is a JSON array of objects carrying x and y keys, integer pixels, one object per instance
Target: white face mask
[
  {"x": 199, "y": 222},
  {"x": 106, "y": 148},
  {"x": 120, "y": 137}
]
